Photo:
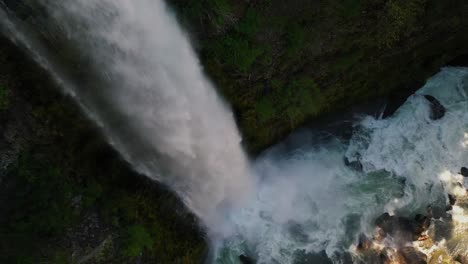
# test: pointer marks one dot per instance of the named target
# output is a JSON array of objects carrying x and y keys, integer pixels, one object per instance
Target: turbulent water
[
  {"x": 143, "y": 85},
  {"x": 309, "y": 201},
  {"x": 153, "y": 102}
]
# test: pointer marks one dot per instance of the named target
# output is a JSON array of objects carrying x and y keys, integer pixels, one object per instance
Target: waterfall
[
  {"x": 309, "y": 201},
  {"x": 136, "y": 75},
  {"x": 149, "y": 97}
]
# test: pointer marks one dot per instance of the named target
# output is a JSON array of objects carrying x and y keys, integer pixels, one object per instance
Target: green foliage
[
  {"x": 347, "y": 61},
  {"x": 265, "y": 109},
  {"x": 25, "y": 260},
  {"x": 296, "y": 40},
  {"x": 222, "y": 9},
  {"x": 351, "y": 8},
  {"x": 248, "y": 25},
  {"x": 216, "y": 16},
  {"x": 400, "y": 20},
  {"x": 43, "y": 197},
  {"x": 137, "y": 239},
  {"x": 303, "y": 98},
  {"x": 4, "y": 96},
  {"x": 91, "y": 193},
  {"x": 238, "y": 53}
]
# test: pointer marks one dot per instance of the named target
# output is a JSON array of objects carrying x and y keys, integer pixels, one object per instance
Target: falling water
[
  {"x": 309, "y": 201},
  {"x": 140, "y": 81},
  {"x": 152, "y": 102}
]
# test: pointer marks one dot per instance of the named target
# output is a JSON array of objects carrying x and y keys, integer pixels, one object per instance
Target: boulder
[
  {"x": 437, "y": 109},
  {"x": 355, "y": 165},
  {"x": 463, "y": 259},
  {"x": 364, "y": 242},
  {"x": 409, "y": 255},
  {"x": 464, "y": 171},
  {"x": 384, "y": 256},
  {"x": 452, "y": 199},
  {"x": 422, "y": 223},
  {"x": 401, "y": 228}
]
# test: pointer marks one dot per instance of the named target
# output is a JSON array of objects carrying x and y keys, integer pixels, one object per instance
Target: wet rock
[
  {"x": 384, "y": 256},
  {"x": 409, "y": 255},
  {"x": 464, "y": 172},
  {"x": 437, "y": 109},
  {"x": 462, "y": 259},
  {"x": 246, "y": 260},
  {"x": 423, "y": 222},
  {"x": 364, "y": 242},
  {"x": 355, "y": 165},
  {"x": 452, "y": 199},
  {"x": 401, "y": 228},
  {"x": 448, "y": 208}
]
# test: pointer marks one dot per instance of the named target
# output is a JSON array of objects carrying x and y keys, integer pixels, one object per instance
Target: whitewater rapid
[
  {"x": 309, "y": 201},
  {"x": 143, "y": 85}
]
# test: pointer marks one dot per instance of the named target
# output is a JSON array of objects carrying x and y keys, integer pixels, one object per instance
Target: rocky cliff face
[
  {"x": 65, "y": 195},
  {"x": 283, "y": 63}
]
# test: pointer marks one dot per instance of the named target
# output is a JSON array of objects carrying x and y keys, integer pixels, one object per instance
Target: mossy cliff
[
  {"x": 283, "y": 63},
  {"x": 65, "y": 195}
]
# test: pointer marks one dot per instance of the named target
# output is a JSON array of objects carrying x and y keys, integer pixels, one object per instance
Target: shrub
[{"x": 400, "y": 20}]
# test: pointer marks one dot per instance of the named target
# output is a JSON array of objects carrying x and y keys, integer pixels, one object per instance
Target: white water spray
[
  {"x": 154, "y": 103},
  {"x": 164, "y": 117},
  {"x": 308, "y": 200}
]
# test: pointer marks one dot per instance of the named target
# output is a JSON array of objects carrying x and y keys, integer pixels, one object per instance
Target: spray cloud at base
[
  {"x": 308, "y": 201},
  {"x": 147, "y": 93}
]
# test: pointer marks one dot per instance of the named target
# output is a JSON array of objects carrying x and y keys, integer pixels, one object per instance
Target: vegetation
[
  {"x": 279, "y": 63},
  {"x": 69, "y": 194},
  {"x": 137, "y": 239},
  {"x": 351, "y": 50}
]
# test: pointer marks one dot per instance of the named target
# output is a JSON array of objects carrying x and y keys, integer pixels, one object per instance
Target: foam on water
[
  {"x": 309, "y": 201},
  {"x": 157, "y": 109}
]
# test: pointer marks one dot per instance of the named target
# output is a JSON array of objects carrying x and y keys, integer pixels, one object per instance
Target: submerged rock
[
  {"x": 437, "y": 109},
  {"x": 355, "y": 164},
  {"x": 464, "y": 171},
  {"x": 246, "y": 260}
]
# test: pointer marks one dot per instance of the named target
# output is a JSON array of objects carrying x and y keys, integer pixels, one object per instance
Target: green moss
[
  {"x": 347, "y": 61},
  {"x": 400, "y": 20},
  {"x": 248, "y": 25},
  {"x": 238, "y": 53},
  {"x": 296, "y": 37},
  {"x": 43, "y": 197},
  {"x": 137, "y": 239},
  {"x": 352, "y": 8},
  {"x": 265, "y": 109}
]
